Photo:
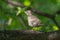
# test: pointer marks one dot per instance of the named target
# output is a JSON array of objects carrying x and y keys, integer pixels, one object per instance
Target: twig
[{"x": 22, "y": 21}]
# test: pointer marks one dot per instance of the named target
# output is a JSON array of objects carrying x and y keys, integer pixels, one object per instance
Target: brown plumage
[{"x": 33, "y": 20}]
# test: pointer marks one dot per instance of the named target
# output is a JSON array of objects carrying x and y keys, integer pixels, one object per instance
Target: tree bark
[{"x": 25, "y": 35}]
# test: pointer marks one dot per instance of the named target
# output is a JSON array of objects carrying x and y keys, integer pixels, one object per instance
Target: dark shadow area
[{"x": 22, "y": 35}]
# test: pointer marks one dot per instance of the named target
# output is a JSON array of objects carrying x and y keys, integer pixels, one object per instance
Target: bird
[{"x": 33, "y": 21}]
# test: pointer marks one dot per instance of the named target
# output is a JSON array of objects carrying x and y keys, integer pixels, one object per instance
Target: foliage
[{"x": 8, "y": 11}]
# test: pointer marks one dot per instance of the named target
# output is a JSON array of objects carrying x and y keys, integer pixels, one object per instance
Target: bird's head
[{"x": 28, "y": 13}]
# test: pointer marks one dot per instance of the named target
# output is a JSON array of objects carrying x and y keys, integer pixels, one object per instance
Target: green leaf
[
  {"x": 55, "y": 28},
  {"x": 27, "y": 3}
]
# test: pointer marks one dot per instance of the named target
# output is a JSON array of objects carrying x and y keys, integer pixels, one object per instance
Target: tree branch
[
  {"x": 42, "y": 13},
  {"x": 24, "y": 35},
  {"x": 32, "y": 9},
  {"x": 14, "y": 3}
]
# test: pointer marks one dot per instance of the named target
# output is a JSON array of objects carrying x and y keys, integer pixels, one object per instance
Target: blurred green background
[{"x": 9, "y": 19}]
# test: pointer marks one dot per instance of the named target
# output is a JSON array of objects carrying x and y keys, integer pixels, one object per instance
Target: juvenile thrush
[{"x": 33, "y": 21}]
